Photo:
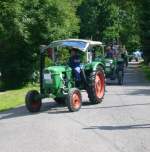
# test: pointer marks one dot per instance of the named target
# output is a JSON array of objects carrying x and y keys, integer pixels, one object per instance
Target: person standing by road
[{"x": 124, "y": 55}]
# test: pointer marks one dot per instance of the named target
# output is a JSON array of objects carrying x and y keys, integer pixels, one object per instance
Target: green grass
[
  {"x": 13, "y": 98},
  {"x": 146, "y": 70}
]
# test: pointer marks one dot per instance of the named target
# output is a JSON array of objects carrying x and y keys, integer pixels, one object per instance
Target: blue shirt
[
  {"x": 109, "y": 54},
  {"x": 74, "y": 61}
]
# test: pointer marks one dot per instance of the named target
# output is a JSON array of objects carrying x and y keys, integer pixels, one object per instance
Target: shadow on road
[
  {"x": 16, "y": 112},
  {"x": 125, "y": 127},
  {"x": 48, "y": 107},
  {"x": 54, "y": 108},
  {"x": 134, "y": 92},
  {"x": 64, "y": 109},
  {"x": 118, "y": 106},
  {"x": 145, "y": 92},
  {"x": 22, "y": 111}
]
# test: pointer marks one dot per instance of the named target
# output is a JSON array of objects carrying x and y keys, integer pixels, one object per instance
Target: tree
[
  {"x": 110, "y": 21},
  {"x": 26, "y": 24},
  {"x": 144, "y": 14},
  {"x": 94, "y": 15},
  {"x": 130, "y": 31}
]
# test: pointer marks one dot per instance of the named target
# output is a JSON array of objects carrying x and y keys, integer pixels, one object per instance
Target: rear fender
[{"x": 94, "y": 65}]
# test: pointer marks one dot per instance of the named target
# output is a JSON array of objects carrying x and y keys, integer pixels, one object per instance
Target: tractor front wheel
[
  {"x": 74, "y": 100},
  {"x": 33, "y": 101},
  {"x": 96, "y": 89}
]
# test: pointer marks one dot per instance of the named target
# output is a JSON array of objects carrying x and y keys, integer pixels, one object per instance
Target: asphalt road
[{"x": 121, "y": 123}]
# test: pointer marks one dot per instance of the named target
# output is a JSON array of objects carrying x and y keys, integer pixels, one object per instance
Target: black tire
[
  {"x": 74, "y": 100},
  {"x": 120, "y": 77},
  {"x": 96, "y": 90},
  {"x": 130, "y": 59},
  {"x": 33, "y": 101},
  {"x": 136, "y": 59},
  {"x": 60, "y": 100}
]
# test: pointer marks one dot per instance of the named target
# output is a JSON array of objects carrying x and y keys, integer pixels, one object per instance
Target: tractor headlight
[{"x": 108, "y": 64}]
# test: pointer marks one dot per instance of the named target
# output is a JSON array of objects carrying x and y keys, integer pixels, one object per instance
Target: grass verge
[
  {"x": 146, "y": 70},
  {"x": 13, "y": 98}
]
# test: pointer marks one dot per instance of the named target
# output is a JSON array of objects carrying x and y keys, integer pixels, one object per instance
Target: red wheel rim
[
  {"x": 99, "y": 85},
  {"x": 76, "y": 100},
  {"x": 35, "y": 104}
]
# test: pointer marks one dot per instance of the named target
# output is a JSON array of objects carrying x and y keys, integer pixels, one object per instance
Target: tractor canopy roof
[{"x": 79, "y": 44}]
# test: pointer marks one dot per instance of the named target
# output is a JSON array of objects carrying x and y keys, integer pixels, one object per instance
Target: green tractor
[
  {"x": 113, "y": 66},
  {"x": 58, "y": 79},
  {"x": 114, "y": 69}
]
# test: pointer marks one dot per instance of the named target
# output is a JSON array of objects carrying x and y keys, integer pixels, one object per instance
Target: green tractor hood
[
  {"x": 55, "y": 69},
  {"x": 53, "y": 77}
]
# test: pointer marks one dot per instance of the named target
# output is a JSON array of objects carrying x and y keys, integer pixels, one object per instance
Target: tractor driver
[
  {"x": 109, "y": 52},
  {"x": 74, "y": 63}
]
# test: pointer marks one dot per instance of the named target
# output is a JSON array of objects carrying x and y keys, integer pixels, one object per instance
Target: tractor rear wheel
[
  {"x": 33, "y": 101},
  {"x": 74, "y": 100},
  {"x": 96, "y": 89}
]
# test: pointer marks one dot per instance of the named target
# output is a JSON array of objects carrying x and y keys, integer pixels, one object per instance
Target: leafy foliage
[
  {"x": 24, "y": 25},
  {"x": 110, "y": 21},
  {"x": 144, "y": 14}
]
